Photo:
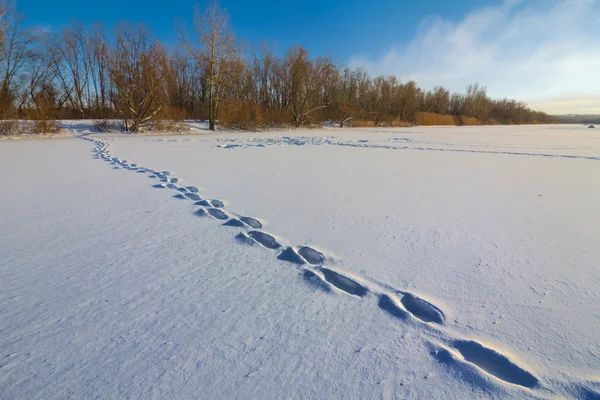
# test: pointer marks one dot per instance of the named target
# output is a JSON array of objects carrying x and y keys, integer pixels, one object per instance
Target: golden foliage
[
  {"x": 428, "y": 119},
  {"x": 469, "y": 121},
  {"x": 361, "y": 123}
]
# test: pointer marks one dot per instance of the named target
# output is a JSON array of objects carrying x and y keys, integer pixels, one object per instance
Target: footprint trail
[{"x": 402, "y": 306}]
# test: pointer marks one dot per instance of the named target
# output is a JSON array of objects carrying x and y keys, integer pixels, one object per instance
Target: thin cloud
[
  {"x": 543, "y": 52},
  {"x": 43, "y": 29}
]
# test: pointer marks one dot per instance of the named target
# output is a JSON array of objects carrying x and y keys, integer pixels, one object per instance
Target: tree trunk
[{"x": 211, "y": 112}]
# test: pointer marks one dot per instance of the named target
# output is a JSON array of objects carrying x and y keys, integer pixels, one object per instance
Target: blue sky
[
  {"x": 545, "y": 52},
  {"x": 326, "y": 27}
]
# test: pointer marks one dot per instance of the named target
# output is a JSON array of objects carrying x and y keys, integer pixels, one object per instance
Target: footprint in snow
[
  {"x": 217, "y": 203},
  {"x": 234, "y": 222},
  {"x": 171, "y": 186},
  {"x": 192, "y": 189},
  {"x": 422, "y": 309},
  {"x": 218, "y": 214},
  {"x": 489, "y": 360},
  {"x": 251, "y": 222},
  {"x": 312, "y": 256},
  {"x": 291, "y": 256},
  {"x": 344, "y": 283},
  {"x": 192, "y": 196},
  {"x": 159, "y": 186},
  {"x": 264, "y": 239}
]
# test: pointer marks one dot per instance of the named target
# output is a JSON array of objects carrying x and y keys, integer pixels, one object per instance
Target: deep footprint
[
  {"x": 343, "y": 283},
  {"x": 192, "y": 196},
  {"x": 159, "y": 186},
  {"x": 234, "y": 222},
  {"x": 391, "y": 305},
  {"x": 265, "y": 239},
  {"x": 192, "y": 189},
  {"x": 217, "y": 203},
  {"x": 218, "y": 214},
  {"x": 311, "y": 255},
  {"x": 290, "y": 255},
  {"x": 251, "y": 222},
  {"x": 421, "y": 309},
  {"x": 171, "y": 186},
  {"x": 495, "y": 363}
]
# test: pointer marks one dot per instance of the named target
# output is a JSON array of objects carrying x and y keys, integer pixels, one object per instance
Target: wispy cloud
[
  {"x": 43, "y": 29},
  {"x": 545, "y": 52}
]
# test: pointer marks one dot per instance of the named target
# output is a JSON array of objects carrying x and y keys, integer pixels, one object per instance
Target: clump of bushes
[
  {"x": 429, "y": 118},
  {"x": 462, "y": 120}
]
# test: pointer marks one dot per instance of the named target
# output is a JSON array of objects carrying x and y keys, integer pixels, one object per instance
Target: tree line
[{"x": 127, "y": 74}]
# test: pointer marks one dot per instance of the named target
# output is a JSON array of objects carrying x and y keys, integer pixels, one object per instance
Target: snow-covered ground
[{"x": 359, "y": 263}]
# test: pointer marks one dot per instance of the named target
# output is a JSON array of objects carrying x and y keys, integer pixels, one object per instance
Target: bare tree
[
  {"x": 15, "y": 53},
  {"x": 74, "y": 65},
  {"x": 477, "y": 103},
  {"x": 41, "y": 94},
  {"x": 216, "y": 46},
  {"x": 436, "y": 101},
  {"x": 303, "y": 82},
  {"x": 138, "y": 68},
  {"x": 409, "y": 101},
  {"x": 100, "y": 72}
]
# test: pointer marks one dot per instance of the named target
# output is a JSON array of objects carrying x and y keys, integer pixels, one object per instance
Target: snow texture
[{"x": 384, "y": 263}]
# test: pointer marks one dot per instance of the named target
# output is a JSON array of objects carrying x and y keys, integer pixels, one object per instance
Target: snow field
[{"x": 469, "y": 354}]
